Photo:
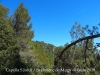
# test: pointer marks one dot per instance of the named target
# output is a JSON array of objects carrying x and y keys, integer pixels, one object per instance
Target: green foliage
[
  {"x": 9, "y": 49},
  {"x": 17, "y": 50},
  {"x": 20, "y": 21},
  {"x": 77, "y": 31},
  {"x": 44, "y": 59},
  {"x": 3, "y": 11},
  {"x": 82, "y": 55}
]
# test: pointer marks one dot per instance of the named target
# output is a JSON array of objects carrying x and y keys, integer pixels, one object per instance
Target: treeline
[
  {"x": 82, "y": 58},
  {"x": 17, "y": 49},
  {"x": 23, "y": 55}
]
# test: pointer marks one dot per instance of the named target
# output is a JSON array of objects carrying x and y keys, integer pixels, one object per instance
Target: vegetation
[{"x": 20, "y": 55}]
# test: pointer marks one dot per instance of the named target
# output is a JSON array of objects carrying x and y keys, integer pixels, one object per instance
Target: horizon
[{"x": 53, "y": 19}]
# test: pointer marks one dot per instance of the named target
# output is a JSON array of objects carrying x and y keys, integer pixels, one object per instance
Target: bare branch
[{"x": 73, "y": 43}]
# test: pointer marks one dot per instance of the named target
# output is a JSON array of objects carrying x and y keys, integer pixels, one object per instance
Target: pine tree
[
  {"x": 3, "y": 11},
  {"x": 22, "y": 28},
  {"x": 21, "y": 19}
]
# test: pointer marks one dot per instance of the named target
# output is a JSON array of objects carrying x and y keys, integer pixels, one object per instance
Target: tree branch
[{"x": 73, "y": 43}]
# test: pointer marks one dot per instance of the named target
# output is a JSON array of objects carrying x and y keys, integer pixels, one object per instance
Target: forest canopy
[{"x": 18, "y": 50}]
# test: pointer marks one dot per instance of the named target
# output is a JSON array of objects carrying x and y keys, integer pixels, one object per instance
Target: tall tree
[
  {"x": 9, "y": 49},
  {"x": 21, "y": 19},
  {"x": 23, "y": 32},
  {"x": 3, "y": 11},
  {"x": 80, "y": 55}
]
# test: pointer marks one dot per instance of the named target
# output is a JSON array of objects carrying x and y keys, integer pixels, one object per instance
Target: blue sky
[{"x": 52, "y": 19}]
